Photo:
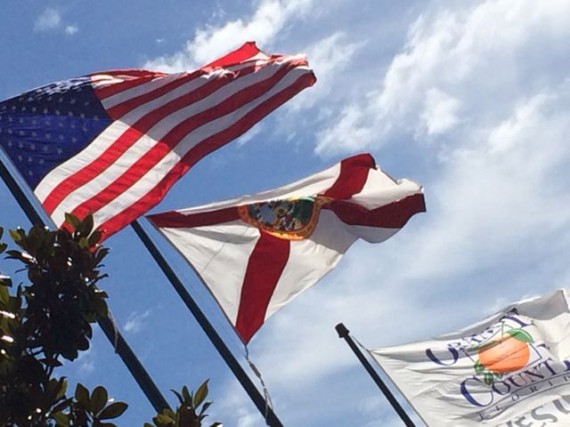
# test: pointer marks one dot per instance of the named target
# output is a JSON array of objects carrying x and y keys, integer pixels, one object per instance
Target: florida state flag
[{"x": 256, "y": 253}]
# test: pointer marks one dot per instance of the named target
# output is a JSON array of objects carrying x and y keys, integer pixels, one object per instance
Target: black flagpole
[
  {"x": 121, "y": 347},
  {"x": 344, "y": 333},
  {"x": 227, "y": 355}
]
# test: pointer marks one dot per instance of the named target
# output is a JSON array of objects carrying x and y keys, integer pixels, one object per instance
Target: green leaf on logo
[
  {"x": 479, "y": 368},
  {"x": 520, "y": 335}
]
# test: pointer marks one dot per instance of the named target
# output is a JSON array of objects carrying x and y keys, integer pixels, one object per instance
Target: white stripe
[
  {"x": 311, "y": 259},
  {"x": 80, "y": 160},
  {"x": 161, "y": 169},
  {"x": 380, "y": 190},
  {"x": 159, "y": 82},
  {"x": 101, "y": 143},
  {"x": 98, "y": 146},
  {"x": 214, "y": 250},
  {"x": 133, "y": 92}
]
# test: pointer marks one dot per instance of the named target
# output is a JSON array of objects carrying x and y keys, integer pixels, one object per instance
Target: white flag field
[{"x": 511, "y": 369}]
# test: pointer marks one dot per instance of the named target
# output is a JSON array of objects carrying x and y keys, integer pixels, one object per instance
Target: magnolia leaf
[
  {"x": 201, "y": 394},
  {"x": 72, "y": 220},
  {"x": 98, "y": 399},
  {"x": 82, "y": 395},
  {"x": 114, "y": 410}
]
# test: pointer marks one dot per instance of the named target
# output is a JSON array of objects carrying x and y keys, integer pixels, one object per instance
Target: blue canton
[{"x": 45, "y": 127}]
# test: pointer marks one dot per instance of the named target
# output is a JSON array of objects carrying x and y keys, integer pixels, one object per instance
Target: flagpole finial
[{"x": 342, "y": 330}]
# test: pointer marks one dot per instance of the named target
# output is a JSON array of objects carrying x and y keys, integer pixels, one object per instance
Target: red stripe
[
  {"x": 245, "y": 52},
  {"x": 169, "y": 142},
  {"x": 131, "y": 78},
  {"x": 119, "y": 110},
  {"x": 352, "y": 177},
  {"x": 127, "y": 139},
  {"x": 264, "y": 269},
  {"x": 198, "y": 152},
  {"x": 393, "y": 215},
  {"x": 174, "y": 219},
  {"x": 137, "y": 77}
]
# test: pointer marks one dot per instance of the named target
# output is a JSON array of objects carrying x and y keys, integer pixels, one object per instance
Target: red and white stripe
[
  {"x": 252, "y": 273},
  {"x": 163, "y": 124}
]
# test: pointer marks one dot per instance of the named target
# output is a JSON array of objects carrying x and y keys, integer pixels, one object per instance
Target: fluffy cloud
[
  {"x": 459, "y": 68},
  {"x": 51, "y": 20},
  {"x": 477, "y": 94},
  {"x": 266, "y": 23},
  {"x": 136, "y": 321}
]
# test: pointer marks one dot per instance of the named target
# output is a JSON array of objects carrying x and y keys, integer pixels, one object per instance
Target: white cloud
[
  {"x": 71, "y": 29},
  {"x": 49, "y": 19},
  {"x": 489, "y": 211},
  {"x": 135, "y": 321},
  {"x": 85, "y": 363},
  {"x": 266, "y": 23},
  {"x": 481, "y": 82},
  {"x": 440, "y": 112},
  {"x": 503, "y": 191},
  {"x": 478, "y": 93},
  {"x": 329, "y": 57},
  {"x": 481, "y": 60}
]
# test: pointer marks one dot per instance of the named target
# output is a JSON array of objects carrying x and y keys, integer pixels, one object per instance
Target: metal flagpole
[
  {"x": 343, "y": 332},
  {"x": 121, "y": 347},
  {"x": 219, "y": 344}
]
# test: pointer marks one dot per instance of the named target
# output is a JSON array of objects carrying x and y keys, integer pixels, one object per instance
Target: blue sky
[{"x": 469, "y": 99}]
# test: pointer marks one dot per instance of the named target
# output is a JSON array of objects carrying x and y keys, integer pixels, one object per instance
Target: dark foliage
[{"x": 49, "y": 320}]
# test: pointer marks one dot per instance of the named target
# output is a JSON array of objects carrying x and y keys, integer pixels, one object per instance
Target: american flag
[{"x": 113, "y": 143}]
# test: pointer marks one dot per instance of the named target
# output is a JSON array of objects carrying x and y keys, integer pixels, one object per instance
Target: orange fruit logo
[{"x": 509, "y": 353}]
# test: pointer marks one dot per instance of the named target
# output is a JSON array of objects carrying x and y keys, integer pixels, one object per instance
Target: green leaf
[
  {"x": 114, "y": 410},
  {"x": 205, "y": 407},
  {"x": 95, "y": 238},
  {"x": 82, "y": 395},
  {"x": 3, "y": 247},
  {"x": 17, "y": 235},
  {"x": 201, "y": 394},
  {"x": 62, "y": 388},
  {"x": 4, "y": 296},
  {"x": 164, "y": 419},
  {"x": 61, "y": 419},
  {"x": 85, "y": 227},
  {"x": 5, "y": 281},
  {"x": 187, "y": 396},
  {"x": 84, "y": 243},
  {"x": 98, "y": 399},
  {"x": 520, "y": 335},
  {"x": 72, "y": 220}
]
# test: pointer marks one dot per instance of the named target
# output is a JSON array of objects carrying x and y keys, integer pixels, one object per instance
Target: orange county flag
[
  {"x": 511, "y": 369},
  {"x": 256, "y": 253}
]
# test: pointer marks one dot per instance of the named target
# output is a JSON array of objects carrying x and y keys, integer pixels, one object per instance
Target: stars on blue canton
[{"x": 45, "y": 127}]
